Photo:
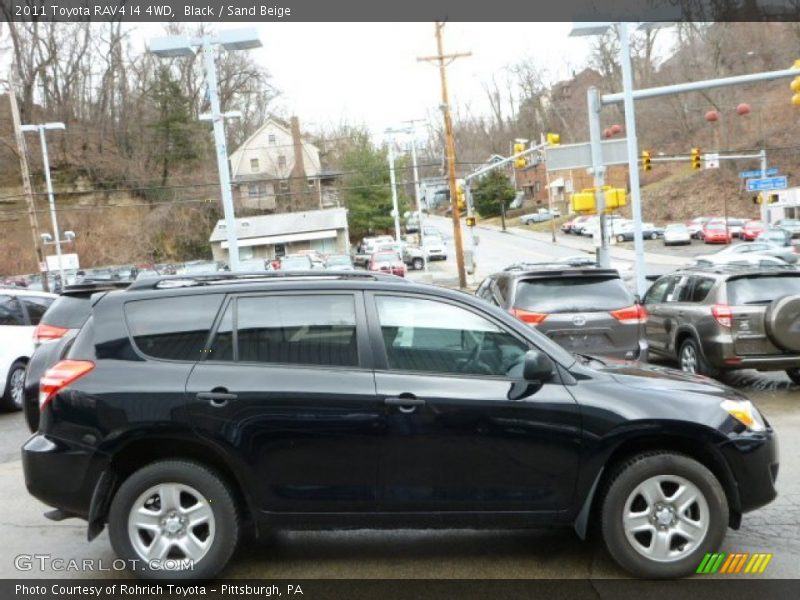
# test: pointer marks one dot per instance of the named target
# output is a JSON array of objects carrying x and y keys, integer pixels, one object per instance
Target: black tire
[
  {"x": 621, "y": 487},
  {"x": 418, "y": 264},
  {"x": 701, "y": 365},
  {"x": 794, "y": 375},
  {"x": 653, "y": 236},
  {"x": 620, "y": 238},
  {"x": 207, "y": 483},
  {"x": 14, "y": 393}
]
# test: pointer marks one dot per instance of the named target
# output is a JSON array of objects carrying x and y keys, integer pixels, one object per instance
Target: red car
[
  {"x": 387, "y": 262},
  {"x": 715, "y": 232},
  {"x": 751, "y": 230}
]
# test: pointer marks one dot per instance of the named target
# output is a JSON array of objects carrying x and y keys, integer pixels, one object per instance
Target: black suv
[
  {"x": 584, "y": 308},
  {"x": 717, "y": 319},
  {"x": 190, "y": 410}
]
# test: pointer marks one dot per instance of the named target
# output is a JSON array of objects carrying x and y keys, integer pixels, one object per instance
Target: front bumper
[
  {"x": 753, "y": 460},
  {"x": 62, "y": 474}
]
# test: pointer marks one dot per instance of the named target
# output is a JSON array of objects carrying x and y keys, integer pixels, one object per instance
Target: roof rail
[
  {"x": 226, "y": 277},
  {"x": 737, "y": 268}
]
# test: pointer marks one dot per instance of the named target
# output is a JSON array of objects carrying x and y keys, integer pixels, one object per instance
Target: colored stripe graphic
[{"x": 734, "y": 563}]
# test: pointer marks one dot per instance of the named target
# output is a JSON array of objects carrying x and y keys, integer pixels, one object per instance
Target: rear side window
[
  {"x": 173, "y": 328},
  {"x": 702, "y": 286},
  {"x": 299, "y": 330},
  {"x": 11, "y": 311},
  {"x": 572, "y": 294},
  {"x": 761, "y": 290},
  {"x": 69, "y": 312}
]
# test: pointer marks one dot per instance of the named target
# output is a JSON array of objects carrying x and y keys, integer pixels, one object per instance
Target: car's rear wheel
[
  {"x": 14, "y": 393},
  {"x": 794, "y": 375},
  {"x": 654, "y": 236},
  {"x": 691, "y": 360},
  {"x": 620, "y": 238},
  {"x": 174, "y": 519},
  {"x": 418, "y": 264},
  {"x": 661, "y": 513}
]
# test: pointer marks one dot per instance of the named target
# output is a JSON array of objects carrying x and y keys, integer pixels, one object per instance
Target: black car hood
[{"x": 654, "y": 378}]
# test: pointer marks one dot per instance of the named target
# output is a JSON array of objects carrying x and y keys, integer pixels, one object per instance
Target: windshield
[
  {"x": 338, "y": 260},
  {"x": 715, "y": 226},
  {"x": 763, "y": 289},
  {"x": 677, "y": 227},
  {"x": 572, "y": 294},
  {"x": 384, "y": 258},
  {"x": 201, "y": 268}
]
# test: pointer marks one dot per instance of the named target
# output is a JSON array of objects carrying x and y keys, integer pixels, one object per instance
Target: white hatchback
[{"x": 20, "y": 313}]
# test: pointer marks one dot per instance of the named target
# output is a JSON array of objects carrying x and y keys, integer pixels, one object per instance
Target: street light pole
[
  {"x": 416, "y": 194},
  {"x": 217, "y": 119},
  {"x": 633, "y": 158},
  {"x": 231, "y": 40},
  {"x": 392, "y": 182},
  {"x": 41, "y": 128}
]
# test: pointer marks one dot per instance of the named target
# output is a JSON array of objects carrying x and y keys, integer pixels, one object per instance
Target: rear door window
[
  {"x": 174, "y": 328},
  {"x": 297, "y": 330},
  {"x": 36, "y": 306},
  {"x": 572, "y": 294},
  {"x": 11, "y": 311},
  {"x": 761, "y": 290}
]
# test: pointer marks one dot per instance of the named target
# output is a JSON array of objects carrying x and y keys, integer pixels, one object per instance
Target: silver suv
[
  {"x": 715, "y": 319},
  {"x": 587, "y": 310}
]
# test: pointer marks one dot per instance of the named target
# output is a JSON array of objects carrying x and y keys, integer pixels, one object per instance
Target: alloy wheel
[
  {"x": 17, "y": 385},
  {"x": 666, "y": 518},
  {"x": 171, "y": 521},
  {"x": 688, "y": 359}
]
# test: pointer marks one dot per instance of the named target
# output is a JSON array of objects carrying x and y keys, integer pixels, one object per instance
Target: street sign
[
  {"x": 70, "y": 262},
  {"x": 757, "y": 173},
  {"x": 711, "y": 161},
  {"x": 768, "y": 183},
  {"x": 579, "y": 156}
]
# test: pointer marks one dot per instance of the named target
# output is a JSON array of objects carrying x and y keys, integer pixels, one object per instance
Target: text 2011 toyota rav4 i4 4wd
[{"x": 189, "y": 411}]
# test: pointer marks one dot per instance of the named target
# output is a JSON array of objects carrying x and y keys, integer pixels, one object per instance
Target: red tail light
[
  {"x": 723, "y": 314},
  {"x": 632, "y": 314},
  {"x": 59, "y": 376},
  {"x": 47, "y": 333},
  {"x": 532, "y": 318}
]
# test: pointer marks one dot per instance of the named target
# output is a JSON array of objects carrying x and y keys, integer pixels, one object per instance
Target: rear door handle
[{"x": 216, "y": 398}]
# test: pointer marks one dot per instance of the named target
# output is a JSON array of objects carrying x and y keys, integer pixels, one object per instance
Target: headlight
[{"x": 744, "y": 412}]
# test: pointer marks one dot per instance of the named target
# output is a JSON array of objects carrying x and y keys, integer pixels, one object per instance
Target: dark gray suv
[
  {"x": 715, "y": 319},
  {"x": 585, "y": 309}
]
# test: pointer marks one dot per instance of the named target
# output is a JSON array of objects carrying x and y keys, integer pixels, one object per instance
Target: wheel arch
[
  {"x": 142, "y": 452},
  {"x": 695, "y": 447}
]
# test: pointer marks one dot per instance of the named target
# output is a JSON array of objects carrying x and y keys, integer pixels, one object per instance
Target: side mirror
[{"x": 538, "y": 367}]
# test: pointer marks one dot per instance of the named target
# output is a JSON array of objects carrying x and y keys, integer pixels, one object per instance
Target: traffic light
[
  {"x": 460, "y": 198},
  {"x": 646, "y": 160},
  {"x": 773, "y": 198},
  {"x": 521, "y": 162},
  {"x": 696, "y": 159},
  {"x": 553, "y": 139},
  {"x": 795, "y": 85},
  {"x": 757, "y": 199},
  {"x": 471, "y": 221}
]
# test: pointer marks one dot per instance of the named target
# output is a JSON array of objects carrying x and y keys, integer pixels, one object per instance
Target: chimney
[{"x": 297, "y": 183}]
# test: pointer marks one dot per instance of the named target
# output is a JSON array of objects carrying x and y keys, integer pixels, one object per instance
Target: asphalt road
[{"x": 418, "y": 554}]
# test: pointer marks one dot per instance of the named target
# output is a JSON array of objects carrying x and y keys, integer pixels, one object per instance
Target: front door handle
[
  {"x": 216, "y": 399},
  {"x": 405, "y": 404}
]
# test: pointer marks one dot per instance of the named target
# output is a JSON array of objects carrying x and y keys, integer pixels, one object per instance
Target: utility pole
[
  {"x": 763, "y": 206},
  {"x": 26, "y": 180},
  {"x": 443, "y": 60}
]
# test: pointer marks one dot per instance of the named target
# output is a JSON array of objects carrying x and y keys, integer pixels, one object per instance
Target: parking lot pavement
[{"x": 419, "y": 554}]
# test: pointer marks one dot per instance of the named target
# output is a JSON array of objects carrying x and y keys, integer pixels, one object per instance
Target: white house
[
  {"x": 273, "y": 236},
  {"x": 276, "y": 169}
]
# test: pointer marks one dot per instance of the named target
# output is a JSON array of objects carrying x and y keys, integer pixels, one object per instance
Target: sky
[{"x": 368, "y": 73}]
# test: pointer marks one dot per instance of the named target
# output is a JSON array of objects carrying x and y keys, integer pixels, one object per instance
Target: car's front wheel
[
  {"x": 794, "y": 375},
  {"x": 661, "y": 513},
  {"x": 174, "y": 519},
  {"x": 14, "y": 393},
  {"x": 418, "y": 264}
]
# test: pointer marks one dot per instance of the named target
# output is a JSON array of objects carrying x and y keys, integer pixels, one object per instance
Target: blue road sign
[
  {"x": 770, "y": 172},
  {"x": 768, "y": 183}
]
